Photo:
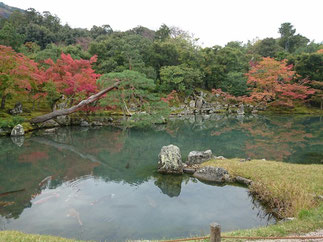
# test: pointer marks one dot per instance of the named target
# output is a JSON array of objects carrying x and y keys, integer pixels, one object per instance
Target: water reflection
[{"x": 77, "y": 182}]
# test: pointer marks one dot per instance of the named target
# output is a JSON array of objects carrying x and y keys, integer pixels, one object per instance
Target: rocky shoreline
[{"x": 170, "y": 162}]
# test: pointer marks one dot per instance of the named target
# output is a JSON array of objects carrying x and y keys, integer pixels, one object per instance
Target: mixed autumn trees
[
  {"x": 18, "y": 75},
  {"x": 74, "y": 79},
  {"x": 57, "y": 61},
  {"x": 273, "y": 81}
]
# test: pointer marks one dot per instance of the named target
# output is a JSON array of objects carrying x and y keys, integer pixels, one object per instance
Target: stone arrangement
[{"x": 170, "y": 162}]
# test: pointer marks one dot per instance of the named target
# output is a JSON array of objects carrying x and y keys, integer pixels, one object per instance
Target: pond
[{"x": 101, "y": 183}]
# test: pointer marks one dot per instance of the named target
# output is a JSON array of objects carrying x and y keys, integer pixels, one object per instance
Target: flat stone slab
[
  {"x": 189, "y": 170},
  {"x": 212, "y": 174}
]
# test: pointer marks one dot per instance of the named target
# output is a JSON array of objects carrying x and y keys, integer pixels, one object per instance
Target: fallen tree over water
[{"x": 75, "y": 108}]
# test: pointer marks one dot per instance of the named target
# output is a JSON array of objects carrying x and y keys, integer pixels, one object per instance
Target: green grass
[
  {"x": 292, "y": 186},
  {"x": 299, "y": 108},
  {"x": 306, "y": 221},
  {"x": 287, "y": 188},
  {"x": 15, "y": 236}
]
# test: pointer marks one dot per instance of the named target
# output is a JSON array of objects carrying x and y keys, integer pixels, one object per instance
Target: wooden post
[{"x": 215, "y": 232}]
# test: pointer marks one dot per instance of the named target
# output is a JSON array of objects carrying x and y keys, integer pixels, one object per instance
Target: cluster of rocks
[
  {"x": 170, "y": 162},
  {"x": 17, "y": 109},
  {"x": 203, "y": 105}
]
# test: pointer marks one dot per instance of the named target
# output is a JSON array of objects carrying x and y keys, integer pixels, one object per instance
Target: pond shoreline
[
  {"x": 294, "y": 180},
  {"x": 305, "y": 220}
]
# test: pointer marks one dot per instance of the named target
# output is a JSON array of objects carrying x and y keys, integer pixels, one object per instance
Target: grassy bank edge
[{"x": 16, "y": 236}]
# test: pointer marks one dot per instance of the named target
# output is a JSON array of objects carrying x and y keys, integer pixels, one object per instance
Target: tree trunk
[
  {"x": 75, "y": 108},
  {"x": 3, "y": 102}
]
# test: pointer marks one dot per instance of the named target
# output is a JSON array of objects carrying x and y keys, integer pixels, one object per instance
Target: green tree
[
  {"x": 97, "y": 31},
  {"x": 10, "y": 37},
  {"x": 267, "y": 47},
  {"x": 135, "y": 92},
  {"x": 219, "y": 62},
  {"x": 182, "y": 79},
  {"x": 162, "y": 33},
  {"x": 288, "y": 40},
  {"x": 235, "y": 84}
]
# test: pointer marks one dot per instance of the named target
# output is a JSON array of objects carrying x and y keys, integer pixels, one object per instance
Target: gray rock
[
  {"x": 18, "y": 130},
  {"x": 84, "y": 123},
  {"x": 240, "y": 110},
  {"x": 254, "y": 111},
  {"x": 2, "y": 132},
  {"x": 97, "y": 123},
  {"x": 18, "y": 140},
  {"x": 243, "y": 180},
  {"x": 198, "y": 157},
  {"x": 219, "y": 157},
  {"x": 50, "y": 131},
  {"x": 17, "y": 109},
  {"x": 49, "y": 124},
  {"x": 218, "y": 107},
  {"x": 188, "y": 170},
  {"x": 64, "y": 120},
  {"x": 199, "y": 103},
  {"x": 212, "y": 174},
  {"x": 288, "y": 219},
  {"x": 170, "y": 160}
]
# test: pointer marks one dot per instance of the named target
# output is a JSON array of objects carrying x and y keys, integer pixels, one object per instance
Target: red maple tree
[
  {"x": 71, "y": 77},
  {"x": 272, "y": 81},
  {"x": 18, "y": 75}
]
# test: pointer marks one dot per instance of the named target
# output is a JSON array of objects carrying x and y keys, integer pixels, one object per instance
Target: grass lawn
[{"x": 6, "y": 236}]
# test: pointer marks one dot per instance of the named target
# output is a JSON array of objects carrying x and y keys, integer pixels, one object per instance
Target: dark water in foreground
[{"x": 102, "y": 183}]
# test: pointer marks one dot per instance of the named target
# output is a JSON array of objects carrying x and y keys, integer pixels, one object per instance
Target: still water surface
[{"x": 102, "y": 182}]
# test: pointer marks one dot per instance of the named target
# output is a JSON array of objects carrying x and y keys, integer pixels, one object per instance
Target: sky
[{"x": 214, "y": 22}]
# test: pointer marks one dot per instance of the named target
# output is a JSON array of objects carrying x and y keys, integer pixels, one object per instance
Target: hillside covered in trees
[{"x": 47, "y": 61}]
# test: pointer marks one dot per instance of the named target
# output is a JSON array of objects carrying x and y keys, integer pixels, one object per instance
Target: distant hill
[{"x": 6, "y": 11}]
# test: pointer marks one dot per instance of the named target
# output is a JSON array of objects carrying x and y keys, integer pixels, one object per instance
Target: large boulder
[
  {"x": 212, "y": 174},
  {"x": 170, "y": 160},
  {"x": 198, "y": 157},
  {"x": 18, "y": 130}
]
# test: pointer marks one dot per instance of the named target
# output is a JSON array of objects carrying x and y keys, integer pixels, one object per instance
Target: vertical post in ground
[{"x": 215, "y": 232}]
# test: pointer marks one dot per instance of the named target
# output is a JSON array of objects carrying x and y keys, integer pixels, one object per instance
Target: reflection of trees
[
  {"x": 278, "y": 139},
  {"x": 27, "y": 166},
  {"x": 287, "y": 138},
  {"x": 131, "y": 155}
]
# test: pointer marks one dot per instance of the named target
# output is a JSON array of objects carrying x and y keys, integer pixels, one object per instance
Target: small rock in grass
[{"x": 243, "y": 180}]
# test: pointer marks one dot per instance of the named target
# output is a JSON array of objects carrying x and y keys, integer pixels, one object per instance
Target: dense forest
[{"x": 45, "y": 60}]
